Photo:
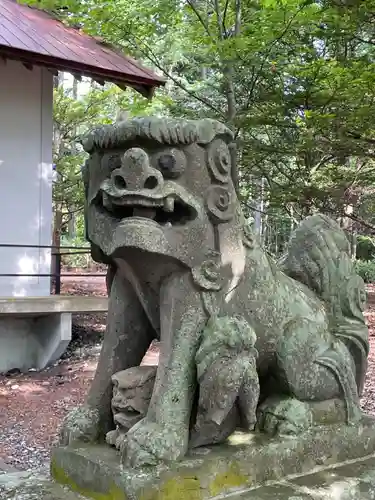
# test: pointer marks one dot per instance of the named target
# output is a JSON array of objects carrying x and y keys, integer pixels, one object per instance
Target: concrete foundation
[
  {"x": 241, "y": 466},
  {"x": 35, "y": 331}
]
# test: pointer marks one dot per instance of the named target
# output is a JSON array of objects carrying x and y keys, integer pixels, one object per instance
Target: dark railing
[{"x": 57, "y": 252}]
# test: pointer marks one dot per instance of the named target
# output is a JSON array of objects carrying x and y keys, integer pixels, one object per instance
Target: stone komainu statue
[{"x": 245, "y": 341}]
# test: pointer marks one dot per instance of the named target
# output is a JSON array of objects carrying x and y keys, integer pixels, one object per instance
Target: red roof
[{"x": 34, "y": 37}]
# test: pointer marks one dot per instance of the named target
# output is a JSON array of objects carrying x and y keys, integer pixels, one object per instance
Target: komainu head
[{"x": 159, "y": 185}]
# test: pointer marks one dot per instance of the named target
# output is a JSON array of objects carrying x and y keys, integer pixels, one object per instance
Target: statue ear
[
  {"x": 85, "y": 173},
  {"x": 219, "y": 161},
  {"x": 221, "y": 200},
  {"x": 96, "y": 254},
  {"x": 223, "y": 208}
]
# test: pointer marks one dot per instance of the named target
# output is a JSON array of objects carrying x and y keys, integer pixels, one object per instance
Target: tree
[
  {"x": 313, "y": 140},
  {"x": 216, "y": 53},
  {"x": 293, "y": 79}
]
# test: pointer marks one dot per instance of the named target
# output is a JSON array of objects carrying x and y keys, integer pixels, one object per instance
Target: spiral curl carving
[
  {"x": 219, "y": 161},
  {"x": 220, "y": 204}
]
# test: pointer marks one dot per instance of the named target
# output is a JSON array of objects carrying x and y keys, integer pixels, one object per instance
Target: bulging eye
[
  {"x": 167, "y": 162},
  {"x": 171, "y": 163}
]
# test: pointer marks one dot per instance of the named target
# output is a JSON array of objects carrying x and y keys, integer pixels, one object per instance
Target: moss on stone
[
  {"x": 190, "y": 488},
  {"x": 231, "y": 478},
  {"x": 113, "y": 493},
  {"x": 179, "y": 488}
]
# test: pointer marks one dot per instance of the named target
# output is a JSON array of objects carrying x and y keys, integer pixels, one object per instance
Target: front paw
[
  {"x": 148, "y": 443},
  {"x": 284, "y": 416},
  {"x": 81, "y": 424}
]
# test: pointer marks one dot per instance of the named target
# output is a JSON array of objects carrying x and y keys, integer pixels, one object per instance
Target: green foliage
[
  {"x": 75, "y": 258},
  {"x": 72, "y": 117},
  {"x": 366, "y": 269},
  {"x": 276, "y": 233},
  {"x": 365, "y": 248},
  {"x": 294, "y": 79}
]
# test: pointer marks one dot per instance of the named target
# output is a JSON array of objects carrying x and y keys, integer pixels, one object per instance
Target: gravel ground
[{"x": 34, "y": 404}]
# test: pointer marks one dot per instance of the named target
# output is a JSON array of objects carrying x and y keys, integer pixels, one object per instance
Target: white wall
[{"x": 25, "y": 177}]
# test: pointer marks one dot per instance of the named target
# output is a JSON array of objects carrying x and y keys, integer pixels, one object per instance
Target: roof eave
[{"x": 145, "y": 86}]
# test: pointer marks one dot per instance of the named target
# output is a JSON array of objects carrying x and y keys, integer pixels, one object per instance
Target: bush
[
  {"x": 365, "y": 248},
  {"x": 75, "y": 260},
  {"x": 366, "y": 269}
]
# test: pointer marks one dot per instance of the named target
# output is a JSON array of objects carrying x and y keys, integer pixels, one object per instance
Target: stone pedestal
[
  {"x": 35, "y": 331},
  {"x": 247, "y": 460}
]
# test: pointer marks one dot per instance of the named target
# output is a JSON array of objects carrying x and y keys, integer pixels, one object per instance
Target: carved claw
[
  {"x": 148, "y": 443},
  {"x": 81, "y": 424},
  {"x": 284, "y": 416}
]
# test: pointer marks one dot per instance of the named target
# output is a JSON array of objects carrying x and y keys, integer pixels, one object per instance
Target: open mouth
[
  {"x": 169, "y": 212},
  {"x": 126, "y": 421}
]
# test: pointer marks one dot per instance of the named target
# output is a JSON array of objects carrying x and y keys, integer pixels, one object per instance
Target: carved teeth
[{"x": 169, "y": 204}]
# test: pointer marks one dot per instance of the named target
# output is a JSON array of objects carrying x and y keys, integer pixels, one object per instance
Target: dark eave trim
[{"x": 145, "y": 86}]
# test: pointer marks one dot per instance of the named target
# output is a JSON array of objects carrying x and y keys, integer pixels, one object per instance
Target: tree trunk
[
  {"x": 228, "y": 70},
  {"x": 56, "y": 245}
]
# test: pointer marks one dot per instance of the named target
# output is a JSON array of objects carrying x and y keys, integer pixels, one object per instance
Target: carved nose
[{"x": 135, "y": 173}]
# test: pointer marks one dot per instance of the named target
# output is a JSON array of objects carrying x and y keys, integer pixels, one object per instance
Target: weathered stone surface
[
  {"x": 274, "y": 492},
  {"x": 228, "y": 380},
  {"x": 353, "y": 480},
  {"x": 347, "y": 482},
  {"x": 32, "y": 486},
  {"x": 236, "y": 328},
  {"x": 132, "y": 391},
  {"x": 243, "y": 463}
]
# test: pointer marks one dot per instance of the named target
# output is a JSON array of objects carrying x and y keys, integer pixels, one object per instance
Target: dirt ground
[{"x": 33, "y": 405}]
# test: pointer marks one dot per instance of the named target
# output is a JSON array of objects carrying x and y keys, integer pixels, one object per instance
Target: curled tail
[{"x": 318, "y": 256}]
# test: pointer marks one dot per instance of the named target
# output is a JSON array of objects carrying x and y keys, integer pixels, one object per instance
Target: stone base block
[
  {"x": 247, "y": 460},
  {"x": 35, "y": 331},
  {"x": 33, "y": 341},
  {"x": 54, "y": 333}
]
